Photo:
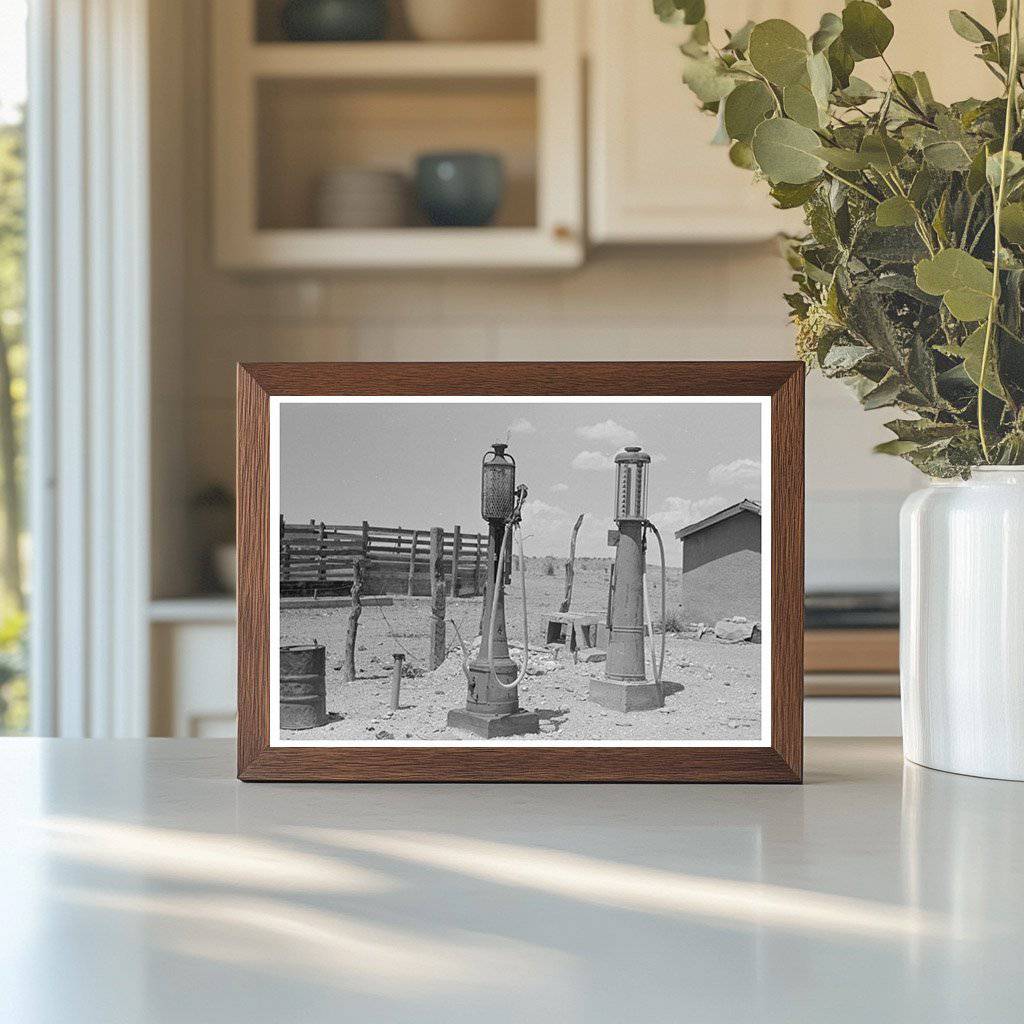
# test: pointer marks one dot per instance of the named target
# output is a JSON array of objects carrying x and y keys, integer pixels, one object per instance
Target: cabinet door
[{"x": 654, "y": 177}]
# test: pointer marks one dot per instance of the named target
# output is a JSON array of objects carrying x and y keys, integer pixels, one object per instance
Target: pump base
[
  {"x": 491, "y": 727},
  {"x": 620, "y": 695}
]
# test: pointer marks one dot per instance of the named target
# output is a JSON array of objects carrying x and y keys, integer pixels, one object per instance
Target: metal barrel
[{"x": 303, "y": 700}]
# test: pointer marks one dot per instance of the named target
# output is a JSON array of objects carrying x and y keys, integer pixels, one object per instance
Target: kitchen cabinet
[
  {"x": 654, "y": 177},
  {"x": 286, "y": 114}
]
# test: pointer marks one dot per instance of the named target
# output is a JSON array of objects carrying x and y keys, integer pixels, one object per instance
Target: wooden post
[
  {"x": 348, "y": 661},
  {"x": 411, "y": 585},
  {"x": 437, "y": 626},
  {"x": 456, "y": 553},
  {"x": 396, "y": 681},
  {"x": 570, "y": 567},
  {"x": 321, "y": 558},
  {"x": 476, "y": 570}
]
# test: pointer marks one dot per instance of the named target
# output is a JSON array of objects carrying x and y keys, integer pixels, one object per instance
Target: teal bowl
[
  {"x": 460, "y": 190},
  {"x": 334, "y": 21}
]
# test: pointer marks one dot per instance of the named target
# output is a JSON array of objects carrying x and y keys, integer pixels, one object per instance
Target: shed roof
[{"x": 746, "y": 505}]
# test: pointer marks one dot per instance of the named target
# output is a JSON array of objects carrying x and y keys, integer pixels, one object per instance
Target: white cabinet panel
[{"x": 654, "y": 177}]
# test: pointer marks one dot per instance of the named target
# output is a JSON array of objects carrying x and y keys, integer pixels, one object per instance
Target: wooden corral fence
[{"x": 317, "y": 559}]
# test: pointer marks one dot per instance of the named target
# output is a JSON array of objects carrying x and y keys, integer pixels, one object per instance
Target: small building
[{"x": 722, "y": 564}]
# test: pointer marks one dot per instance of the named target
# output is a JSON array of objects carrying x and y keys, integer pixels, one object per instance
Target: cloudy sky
[{"x": 417, "y": 465}]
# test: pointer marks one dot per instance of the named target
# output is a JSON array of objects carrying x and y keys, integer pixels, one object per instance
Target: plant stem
[
  {"x": 1011, "y": 108},
  {"x": 853, "y": 185}
]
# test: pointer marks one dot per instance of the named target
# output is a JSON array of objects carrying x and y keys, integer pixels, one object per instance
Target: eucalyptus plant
[{"x": 910, "y": 277}]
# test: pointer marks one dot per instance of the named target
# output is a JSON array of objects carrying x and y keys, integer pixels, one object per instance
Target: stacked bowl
[{"x": 362, "y": 197}]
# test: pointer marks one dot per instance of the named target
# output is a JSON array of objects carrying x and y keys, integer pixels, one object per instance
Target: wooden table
[{"x": 141, "y": 882}]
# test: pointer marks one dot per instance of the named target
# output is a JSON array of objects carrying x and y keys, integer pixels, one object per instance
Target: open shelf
[
  {"x": 393, "y": 60},
  {"x": 520, "y": 23},
  {"x": 286, "y": 114},
  {"x": 309, "y": 127}
]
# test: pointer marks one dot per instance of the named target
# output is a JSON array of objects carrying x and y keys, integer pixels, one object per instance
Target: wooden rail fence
[{"x": 318, "y": 559}]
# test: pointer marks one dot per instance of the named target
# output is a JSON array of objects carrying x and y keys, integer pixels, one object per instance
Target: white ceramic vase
[{"x": 962, "y": 624}]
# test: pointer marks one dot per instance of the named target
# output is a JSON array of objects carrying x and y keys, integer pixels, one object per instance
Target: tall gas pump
[
  {"x": 492, "y": 677},
  {"x": 625, "y": 686}
]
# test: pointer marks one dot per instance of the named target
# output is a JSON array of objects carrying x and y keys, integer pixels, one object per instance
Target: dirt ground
[{"x": 713, "y": 690}]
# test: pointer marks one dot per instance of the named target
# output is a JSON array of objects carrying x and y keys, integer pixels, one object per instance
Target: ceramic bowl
[
  {"x": 470, "y": 20},
  {"x": 459, "y": 189},
  {"x": 333, "y": 21},
  {"x": 359, "y": 197}
]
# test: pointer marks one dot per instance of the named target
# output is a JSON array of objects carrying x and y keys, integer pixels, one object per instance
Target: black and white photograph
[{"x": 520, "y": 570}]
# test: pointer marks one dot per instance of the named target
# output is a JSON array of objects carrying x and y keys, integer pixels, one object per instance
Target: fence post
[
  {"x": 456, "y": 554},
  {"x": 348, "y": 664},
  {"x": 321, "y": 558},
  {"x": 411, "y": 587},
  {"x": 396, "y": 681},
  {"x": 437, "y": 627}
]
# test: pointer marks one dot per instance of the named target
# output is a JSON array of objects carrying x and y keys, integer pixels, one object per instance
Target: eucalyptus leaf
[
  {"x": 829, "y": 30},
  {"x": 924, "y": 87},
  {"x": 972, "y": 352},
  {"x": 884, "y": 395},
  {"x": 993, "y": 167},
  {"x": 844, "y": 159},
  {"x": 947, "y": 156},
  {"x": 739, "y": 41},
  {"x": 895, "y": 447},
  {"x": 963, "y": 281},
  {"x": 788, "y": 196},
  {"x": 745, "y": 108},
  {"x": 690, "y": 12},
  {"x": 741, "y": 155},
  {"x": 801, "y": 106},
  {"x": 895, "y": 212},
  {"x": 819, "y": 75},
  {"x": 866, "y": 29},
  {"x": 1012, "y": 223},
  {"x": 976, "y": 176},
  {"x": 969, "y": 28},
  {"x": 787, "y": 152},
  {"x": 779, "y": 51},
  {"x": 841, "y": 62},
  {"x": 708, "y": 80},
  {"x": 883, "y": 152},
  {"x": 857, "y": 91}
]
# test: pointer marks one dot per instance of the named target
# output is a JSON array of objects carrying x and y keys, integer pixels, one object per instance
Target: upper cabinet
[
  {"x": 654, "y": 176},
  {"x": 316, "y": 144}
]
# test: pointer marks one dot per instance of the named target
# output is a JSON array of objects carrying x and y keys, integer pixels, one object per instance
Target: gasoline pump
[
  {"x": 625, "y": 686},
  {"x": 492, "y": 677}
]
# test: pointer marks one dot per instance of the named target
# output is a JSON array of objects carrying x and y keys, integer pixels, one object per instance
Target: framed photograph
[{"x": 578, "y": 572}]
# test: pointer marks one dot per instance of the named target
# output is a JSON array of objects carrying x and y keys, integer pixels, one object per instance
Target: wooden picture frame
[{"x": 779, "y": 760}]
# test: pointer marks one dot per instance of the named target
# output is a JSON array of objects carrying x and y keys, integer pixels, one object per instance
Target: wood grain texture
[{"x": 782, "y": 761}]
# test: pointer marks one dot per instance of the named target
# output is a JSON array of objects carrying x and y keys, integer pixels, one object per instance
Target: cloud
[
  {"x": 592, "y": 460},
  {"x": 608, "y": 431},
  {"x": 739, "y": 471},
  {"x": 674, "y": 513},
  {"x": 559, "y": 488},
  {"x": 521, "y": 426}
]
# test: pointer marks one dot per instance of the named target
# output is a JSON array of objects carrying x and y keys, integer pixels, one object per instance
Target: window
[{"x": 14, "y": 691}]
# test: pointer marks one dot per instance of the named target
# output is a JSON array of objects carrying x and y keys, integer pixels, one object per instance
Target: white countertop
[{"x": 140, "y": 882}]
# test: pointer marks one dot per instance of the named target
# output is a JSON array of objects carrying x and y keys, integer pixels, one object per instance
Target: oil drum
[{"x": 303, "y": 692}]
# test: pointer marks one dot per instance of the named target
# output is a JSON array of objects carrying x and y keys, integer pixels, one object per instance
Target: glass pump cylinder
[
  {"x": 498, "y": 484},
  {"x": 631, "y": 468}
]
